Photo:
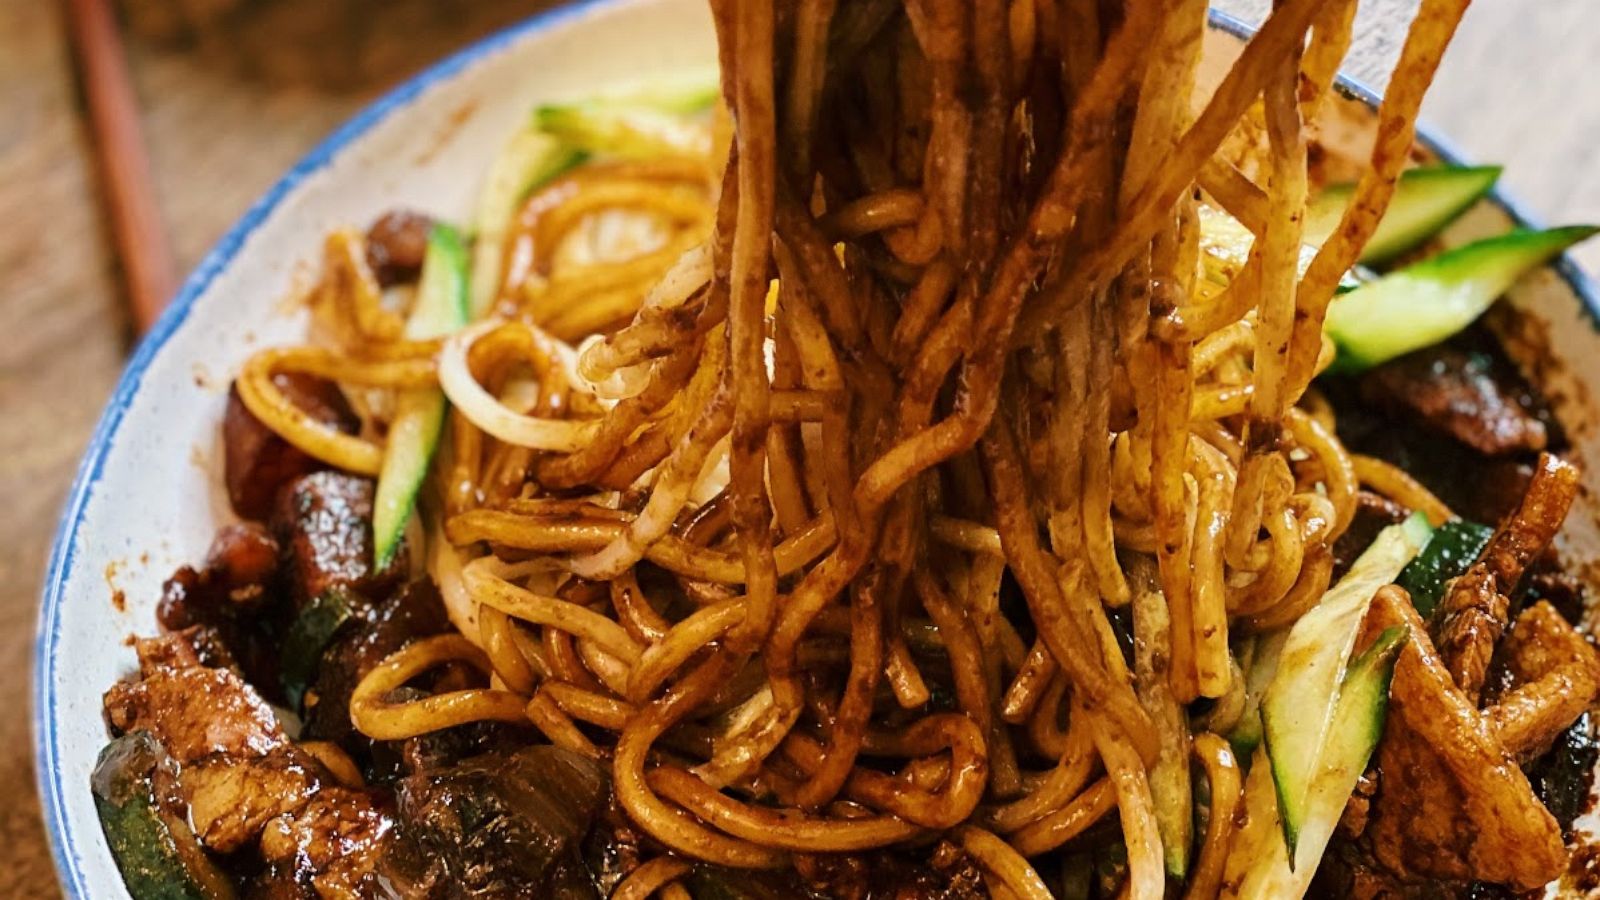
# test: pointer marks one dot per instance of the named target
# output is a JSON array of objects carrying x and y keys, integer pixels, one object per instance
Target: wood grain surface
[{"x": 1515, "y": 89}]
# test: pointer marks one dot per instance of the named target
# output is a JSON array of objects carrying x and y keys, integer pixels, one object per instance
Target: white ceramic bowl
[{"x": 146, "y": 497}]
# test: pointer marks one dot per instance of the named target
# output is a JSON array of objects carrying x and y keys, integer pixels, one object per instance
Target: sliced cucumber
[
  {"x": 685, "y": 92},
  {"x": 1261, "y": 867},
  {"x": 625, "y": 133},
  {"x": 1263, "y": 664},
  {"x": 1425, "y": 200},
  {"x": 1297, "y": 710},
  {"x": 310, "y": 634},
  {"x": 1363, "y": 704},
  {"x": 440, "y": 308},
  {"x": 529, "y": 160},
  {"x": 157, "y": 853},
  {"x": 1426, "y": 302},
  {"x": 1454, "y": 547},
  {"x": 666, "y": 119}
]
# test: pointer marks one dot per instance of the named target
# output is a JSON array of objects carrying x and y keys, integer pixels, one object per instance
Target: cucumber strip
[
  {"x": 1452, "y": 549},
  {"x": 1260, "y": 866},
  {"x": 156, "y": 852},
  {"x": 1268, "y": 649},
  {"x": 310, "y": 634},
  {"x": 625, "y": 133},
  {"x": 1424, "y": 303},
  {"x": 685, "y": 92},
  {"x": 1297, "y": 711},
  {"x": 529, "y": 160},
  {"x": 1425, "y": 201},
  {"x": 441, "y": 308}
]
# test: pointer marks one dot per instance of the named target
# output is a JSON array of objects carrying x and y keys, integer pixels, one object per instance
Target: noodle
[{"x": 811, "y": 476}]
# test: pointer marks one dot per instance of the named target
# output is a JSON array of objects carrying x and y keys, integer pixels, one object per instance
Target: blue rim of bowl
[
  {"x": 52, "y": 791},
  {"x": 64, "y": 549}
]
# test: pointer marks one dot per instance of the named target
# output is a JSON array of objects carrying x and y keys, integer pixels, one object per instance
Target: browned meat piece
[
  {"x": 241, "y": 571},
  {"x": 195, "y": 712},
  {"x": 193, "y": 646},
  {"x": 324, "y": 521},
  {"x": 1554, "y": 675},
  {"x": 414, "y": 612},
  {"x": 1472, "y": 616},
  {"x": 1457, "y": 393},
  {"x": 1472, "y": 613},
  {"x": 1451, "y": 804},
  {"x": 440, "y": 749},
  {"x": 187, "y": 598},
  {"x": 1525, "y": 534},
  {"x": 239, "y": 598},
  {"x": 506, "y": 824},
  {"x": 256, "y": 462},
  {"x": 331, "y": 845},
  {"x": 1541, "y": 642},
  {"x": 1354, "y": 820},
  {"x": 244, "y": 559},
  {"x": 396, "y": 244},
  {"x": 230, "y": 798}
]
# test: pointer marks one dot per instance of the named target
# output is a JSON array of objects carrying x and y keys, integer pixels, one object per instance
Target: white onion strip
[
  {"x": 689, "y": 273},
  {"x": 600, "y": 364},
  {"x": 483, "y": 410},
  {"x": 444, "y": 564}
]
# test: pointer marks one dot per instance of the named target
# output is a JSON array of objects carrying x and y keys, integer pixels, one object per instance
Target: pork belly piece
[
  {"x": 1473, "y": 613},
  {"x": 195, "y": 712},
  {"x": 330, "y": 847},
  {"x": 324, "y": 522},
  {"x": 1451, "y": 804},
  {"x": 1461, "y": 394}
]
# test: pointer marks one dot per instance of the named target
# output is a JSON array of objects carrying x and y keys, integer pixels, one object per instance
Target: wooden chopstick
[{"x": 118, "y": 139}]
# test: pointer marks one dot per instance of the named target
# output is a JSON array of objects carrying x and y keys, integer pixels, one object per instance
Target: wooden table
[{"x": 1514, "y": 90}]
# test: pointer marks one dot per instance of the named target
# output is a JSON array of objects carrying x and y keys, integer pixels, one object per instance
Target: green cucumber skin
[
  {"x": 1358, "y": 723},
  {"x": 143, "y": 849},
  {"x": 310, "y": 634},
  {"x": 622, "y": 133},
  {"x": 441, "y": 308},
  {"x": 692, "y": 94},
  {"x": 413, "y": 437},
  {"x": 1366, "y": 692},
  {"x": 1298, "y": 707},
  {"x": 1453, "y": 548},
  {"x": 1425, "y": 201},
  {"x": 144, "y": 841},
  {"x": 1269, "y": 869},
  {"x": 1246, "y": 735},
  {"x": 441, "y": 305},
  {"x": 1428, "y": 301}
]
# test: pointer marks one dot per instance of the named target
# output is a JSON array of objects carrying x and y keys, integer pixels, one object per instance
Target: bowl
[{"x": 147, "y": 495}]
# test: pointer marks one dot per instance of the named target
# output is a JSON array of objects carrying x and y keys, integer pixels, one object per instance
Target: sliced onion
[
  {"x": 483, "y": 410},
  {"x": 598, "y": 365},
  {"x": 616, "y": 384},
  {"x": 688, "y": 274},
  {"x": 444, "y": 564}
]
